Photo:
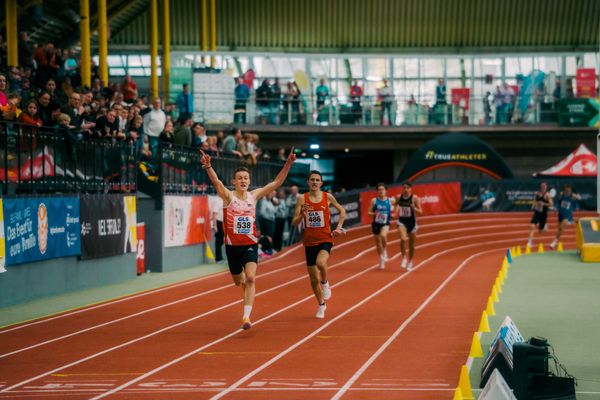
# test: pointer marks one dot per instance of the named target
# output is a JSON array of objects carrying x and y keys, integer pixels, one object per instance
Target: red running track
[{"x": 388, "y": 334}]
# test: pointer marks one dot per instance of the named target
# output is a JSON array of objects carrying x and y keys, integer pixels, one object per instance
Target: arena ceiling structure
[{"x": 348, "y": 26}]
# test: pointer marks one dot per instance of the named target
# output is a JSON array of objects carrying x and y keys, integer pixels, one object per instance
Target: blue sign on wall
[{"x": 41, "y": 228}]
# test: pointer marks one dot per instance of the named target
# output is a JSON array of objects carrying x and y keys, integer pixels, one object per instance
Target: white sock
[{"x": 247, "y": 311}]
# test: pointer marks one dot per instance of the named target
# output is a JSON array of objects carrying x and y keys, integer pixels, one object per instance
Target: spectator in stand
[
  {"x": 27, "y": 92},
  {"x": 262, "y": 101},
  {"x": 230, "y": 144},
  {"x": 199, "y": 134},
  {"x": 170, "y": 111},
  {"x": 167, "y": 135},
  {"x": 274, "y": 94},
  {"x": 107, "y": 126},
  {"x": 185, "y": 102},
  {"x": 266, "y": 215},
  {"x": 242, "y": 94},
  {"x": 220, "y": 139},
  {"x": 281, "y": 156},
  {"x": 30, "y": 115},
  {"x": 322, "y": 94},
  {"x": 212, "y": 145},
  {"x": 356, "y": 93},
  {"x": 11, "y": 110},
  {"x": 70, "y": 64},
  {"x": 74, "y": 109},
  {"x": 387, "y": 99},
  {"x": 3, "y": 86},
  {"x": 55, "y": 96},
  {"x": 498, "y": 102},
  {"x": 487, "y": 108},
  {"x": 25, "y": 52},
  {"x": 246, "y": 147},
  {"x": 507, "y": 102},
  {"x": 290, "y": 203},
  {"x": 47, "y": 61},
  {"x": 15, "y": 82},
  {"x": 183, "y": 133},
  {"x": 154, "y": 120},
  {"x": 130, "y": 90},
  {"x": 135, "y": 130},
  {"x": 281, "y": 214},
  {"x": 47, "y": 110}
]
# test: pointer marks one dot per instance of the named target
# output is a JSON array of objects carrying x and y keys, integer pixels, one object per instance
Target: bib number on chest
[
  {"x": 381, "y": 218},
  {"x": 565, "y": 204},
  {"x": 243, "y": 225},
  {"x": 405, "y": 212},
  {"x": 315, "y": 219}
]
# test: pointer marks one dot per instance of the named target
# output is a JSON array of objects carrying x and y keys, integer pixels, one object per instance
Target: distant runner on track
[
  {"x": 541, "y": 203},
  {"x": 381, "y": 210},
  {"x": 239, "y": 225},
  {"x": 408, "y": 206},
  {"x": 313, "y": 209},
  {"x": 566, "y": 203}
]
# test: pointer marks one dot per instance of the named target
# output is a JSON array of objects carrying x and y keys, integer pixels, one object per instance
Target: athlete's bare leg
[
  {"x": 531, "y": 233},
  {"x": 322, "y": 259},
  {"x": 378, "y": 246},
  {"x": 315, "y": 282},
  {"x": 412, "y": 237},
  {"x": 383, "y": 238},
  {"x": 403, "y": 239}
]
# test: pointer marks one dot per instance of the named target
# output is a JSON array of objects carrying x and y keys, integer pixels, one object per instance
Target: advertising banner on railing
[
  {"x": 186, "y": 220},
  {"x": 518, "y": 195},
  {"x": 41, "y": 228},
  {"x": 585, "y": 79},
  {"x": 436, "y": 198},
  {"x": 108, "y": 225},
  {"x": 2, "y": 247},
  {"x": 351, "y": 203}
]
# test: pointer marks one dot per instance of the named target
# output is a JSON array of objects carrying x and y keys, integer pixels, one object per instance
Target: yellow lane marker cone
[
  {"x": 484, "y": 324},
  {"x": 457, "y": 394},
  {"x": 464, "y": 383},
  {"x": 541, "y": 248},
  {"x": 489, "y": 309},
  {"x": 560, "y": 247},
  {"x": 527, "y": 250},
  {"x": 476, "y": 349},
  {"x": 495, "y": 296}
]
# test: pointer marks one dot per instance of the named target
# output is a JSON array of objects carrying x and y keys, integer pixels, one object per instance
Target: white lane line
[
  {"x": 401, "y": 328},
  {"x": 348, "y": 243},
  {"x": 185, "y": 322},
  {"x": 330, "y": 322},
  {"x": 191, "y": 281}
]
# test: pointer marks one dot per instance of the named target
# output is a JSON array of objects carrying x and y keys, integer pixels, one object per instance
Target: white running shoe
[
  {"x": 553, "y": 244},
  {"x": 326, "y": 291},
  {"x": 404, "y": 262},
  {"x": 529, "y": 244},
  {"x": 382, "y": 262},
  {"x": 385, "y": 256},
  {"x": 409, "y": 266},
  {"x": 321, "y": 311}
]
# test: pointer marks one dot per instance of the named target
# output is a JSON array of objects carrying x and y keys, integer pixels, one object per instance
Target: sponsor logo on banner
[
  {"x": 186, "y": 220},
  {"x": 436, "y": 198},
  {"x": 108, "y": 225},
  {"x": 41, "y": 228}
]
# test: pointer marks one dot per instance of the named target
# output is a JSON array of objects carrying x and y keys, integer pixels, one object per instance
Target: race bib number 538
[
  {"x": 243, "y": 225},
  {"x": 315, "y": 219}
]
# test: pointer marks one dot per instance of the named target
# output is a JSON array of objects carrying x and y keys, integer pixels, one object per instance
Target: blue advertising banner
[{"x": 41, "y": 228}]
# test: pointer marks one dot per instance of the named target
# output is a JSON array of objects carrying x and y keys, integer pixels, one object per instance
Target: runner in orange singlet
[
  {"x": 239, "y": 225},
  {"x": 313, "y": 209}
]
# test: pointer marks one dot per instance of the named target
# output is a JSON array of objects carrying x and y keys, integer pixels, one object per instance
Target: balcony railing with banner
[
  {"x": 371, "y": 110},
  {"x": 181, "y": 171},
  {"x": 61, "y": 160}
]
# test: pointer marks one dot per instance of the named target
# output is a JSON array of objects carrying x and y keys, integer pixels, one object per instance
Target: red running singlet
[
  {"x": 317, "y": 223},
  {"x": 239, "y": 220}
]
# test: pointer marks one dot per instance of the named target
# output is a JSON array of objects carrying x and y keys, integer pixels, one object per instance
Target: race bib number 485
[
  {"x": 315, "y": 219},
  {"x": 243, "y": 225}
]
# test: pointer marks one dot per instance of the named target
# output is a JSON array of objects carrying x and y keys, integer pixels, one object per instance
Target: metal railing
[
  {"x": 371, "y": 110},
  {"x": 61, "y": 160}
]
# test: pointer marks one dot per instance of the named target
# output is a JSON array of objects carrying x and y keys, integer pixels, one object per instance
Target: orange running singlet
[
  {"x": 317, "y": 223},
  {"x": 239, "y": 219}
]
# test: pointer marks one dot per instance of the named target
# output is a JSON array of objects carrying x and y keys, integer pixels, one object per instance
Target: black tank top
[
  {"x": 540, "y": 198},
  {"x": 406, "y": 211}
]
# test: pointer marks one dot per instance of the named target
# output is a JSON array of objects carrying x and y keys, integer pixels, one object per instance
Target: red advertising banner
[
  {"x": 141, "y": 248},
  {"x": 460, "y": 97},
  {"x": 186, "y": 220},
  {"x": 436, "y": 198},
  {"x": 586, "y": 82}
]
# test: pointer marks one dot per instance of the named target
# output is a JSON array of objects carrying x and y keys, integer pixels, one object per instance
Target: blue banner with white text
[{"x": 41, "y": 228}]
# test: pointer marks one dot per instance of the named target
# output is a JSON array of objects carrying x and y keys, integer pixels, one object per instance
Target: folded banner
[
  {"x": 41, "y": 228},
  {"x": 108, "y": 225},
  {"x": 436, "y": 198},
  {"x": 351, "y": 203},
  {"x": 508, "y": 195},
  {"x": 186, "y": 220}
]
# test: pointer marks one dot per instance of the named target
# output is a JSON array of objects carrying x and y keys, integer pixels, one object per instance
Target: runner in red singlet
[
  {"x": 313, "y": 209},
  {"x": 239, "y": 225}
]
